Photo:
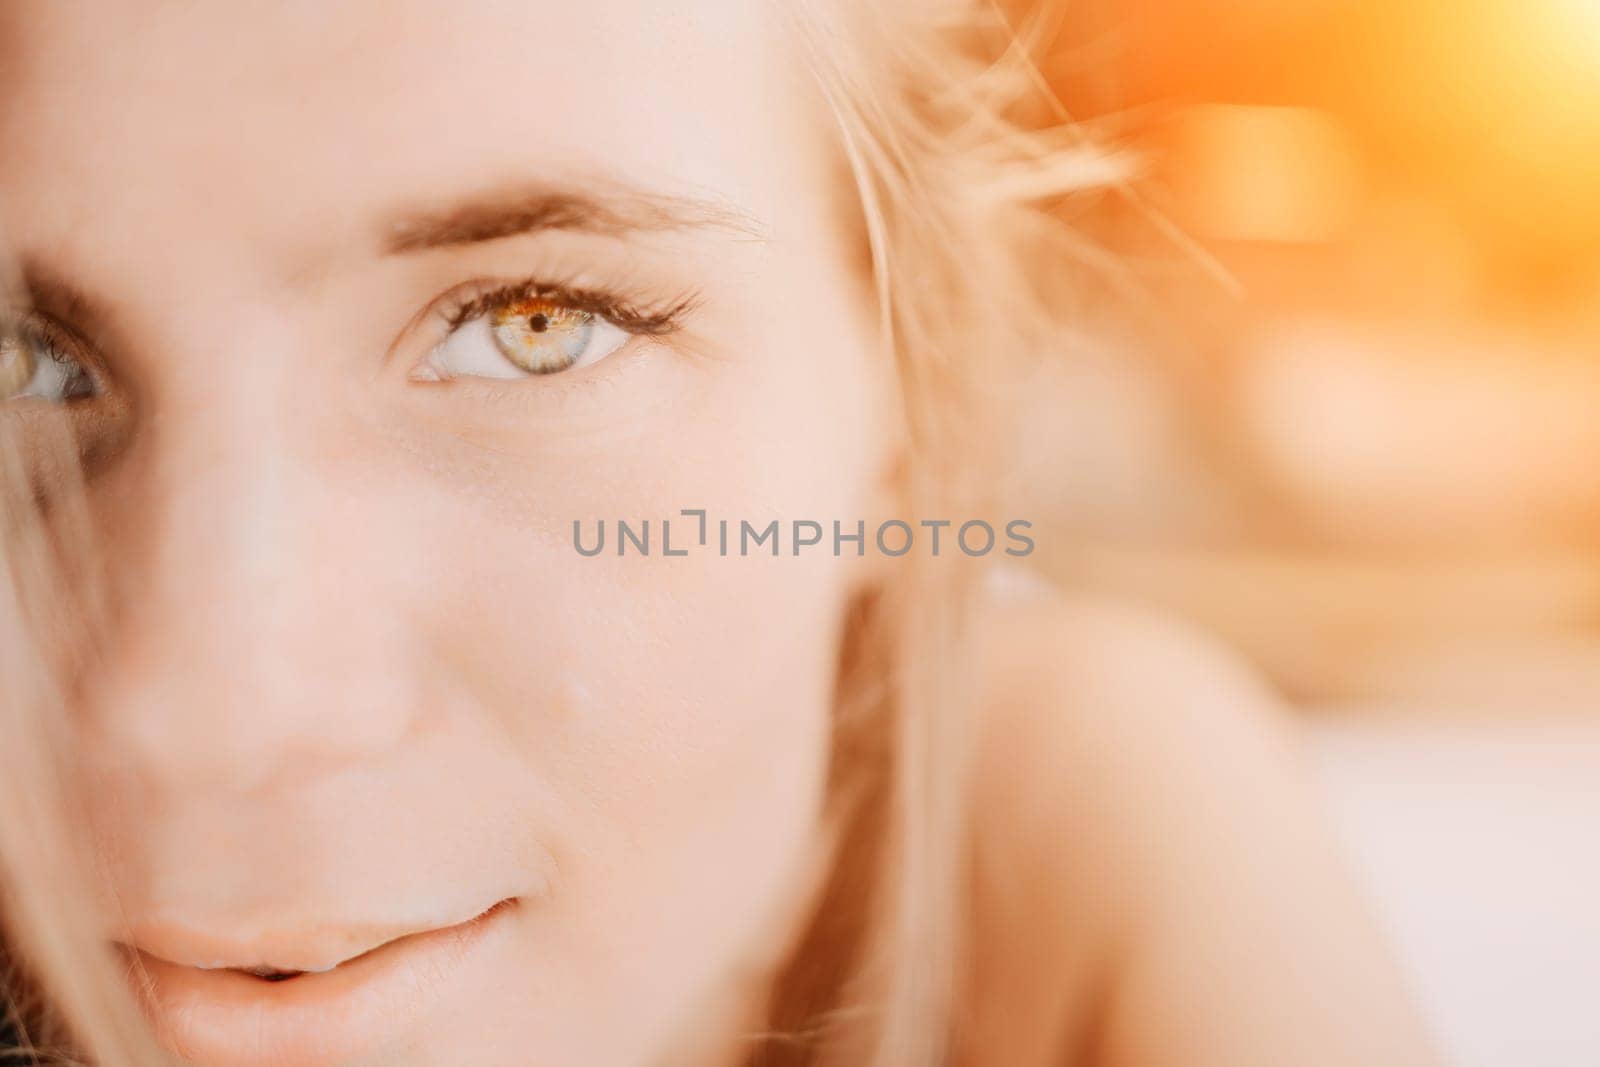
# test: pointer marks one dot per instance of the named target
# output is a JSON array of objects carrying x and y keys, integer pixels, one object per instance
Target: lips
[{"x": 318, "y": 998}]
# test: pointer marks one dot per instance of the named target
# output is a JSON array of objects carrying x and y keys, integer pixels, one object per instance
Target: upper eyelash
[
  {"x": 58, "y": 341},
  {"x": 57, "y": 344},
  {"x": 623, "y": 314}
]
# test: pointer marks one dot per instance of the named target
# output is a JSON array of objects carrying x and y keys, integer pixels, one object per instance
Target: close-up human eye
[
  {"x": 514, "y": 334},
  {"x": 35, "y": 362}
]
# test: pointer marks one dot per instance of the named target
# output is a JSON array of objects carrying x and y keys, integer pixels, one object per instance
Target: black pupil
[{"x": 539, "y": 323}]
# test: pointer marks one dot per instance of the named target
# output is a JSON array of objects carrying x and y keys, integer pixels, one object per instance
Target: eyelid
[
  {"x": 58, "y": 338},
  {"x": 55, "y": 334},
  {"x": 619, "y": 311}
]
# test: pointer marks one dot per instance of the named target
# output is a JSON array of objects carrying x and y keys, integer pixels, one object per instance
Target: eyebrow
[{"x": 511, "y": 213}]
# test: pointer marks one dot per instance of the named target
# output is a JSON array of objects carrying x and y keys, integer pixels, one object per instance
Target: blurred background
[{"x": 1356, "y": 440}]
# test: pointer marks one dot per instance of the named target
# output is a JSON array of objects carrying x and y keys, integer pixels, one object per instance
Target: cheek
[
  {"x": 679, "y": 708},
  {"x": 653, "y": 669},
  {"x": 676, "y": 712}
]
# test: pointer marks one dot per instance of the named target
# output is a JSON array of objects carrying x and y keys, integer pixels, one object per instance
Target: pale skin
[{"x": 362, "y": 687}]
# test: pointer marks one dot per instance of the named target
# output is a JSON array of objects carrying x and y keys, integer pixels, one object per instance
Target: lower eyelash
[{"x": 556, "y": 391}]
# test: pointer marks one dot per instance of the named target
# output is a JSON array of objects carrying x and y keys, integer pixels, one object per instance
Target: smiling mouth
[
  {"x": 268, "y": 972},
  {"x": 200, "y": 953},
  {"x": 309, "y": 1007}
]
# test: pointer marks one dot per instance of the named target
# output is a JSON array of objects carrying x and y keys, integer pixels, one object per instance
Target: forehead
[{"x": 287, "y": 118}]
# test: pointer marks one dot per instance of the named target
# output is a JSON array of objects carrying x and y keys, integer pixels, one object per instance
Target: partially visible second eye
[
  {"x": 519, "y": 338},
  {"x": 33, "y": 364}
]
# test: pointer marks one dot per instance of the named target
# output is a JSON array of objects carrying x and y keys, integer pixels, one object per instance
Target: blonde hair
[{"x": 957, "y": 152}]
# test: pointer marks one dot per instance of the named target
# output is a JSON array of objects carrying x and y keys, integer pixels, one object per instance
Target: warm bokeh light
[
  {"x": 1386, "y": 347},
  {"x": 1262, "y": 173},
  {"x": 1356, "y": 437}
]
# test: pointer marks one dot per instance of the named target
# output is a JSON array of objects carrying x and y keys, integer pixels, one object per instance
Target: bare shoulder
[
  {"x": 1095, "y": 705},
  {"x": 1149, "y": 869},
  {"x": 1062, "y": 673}
]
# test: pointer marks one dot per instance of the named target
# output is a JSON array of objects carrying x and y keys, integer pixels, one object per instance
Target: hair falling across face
[{"x": 345, "y": 328}]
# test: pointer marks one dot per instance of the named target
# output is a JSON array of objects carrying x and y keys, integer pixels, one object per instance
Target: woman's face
[{"x": 390, "y": 295}]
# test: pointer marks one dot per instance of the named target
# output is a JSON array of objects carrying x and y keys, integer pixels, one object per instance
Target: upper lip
[{"x": 280, "y": 949}]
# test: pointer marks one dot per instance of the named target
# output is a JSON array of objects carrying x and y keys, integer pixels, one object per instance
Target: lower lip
[{"x": 230, "y": 1019}]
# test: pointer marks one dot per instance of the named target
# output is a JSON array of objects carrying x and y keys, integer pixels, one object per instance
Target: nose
[{"x": 262, "y": 633}]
